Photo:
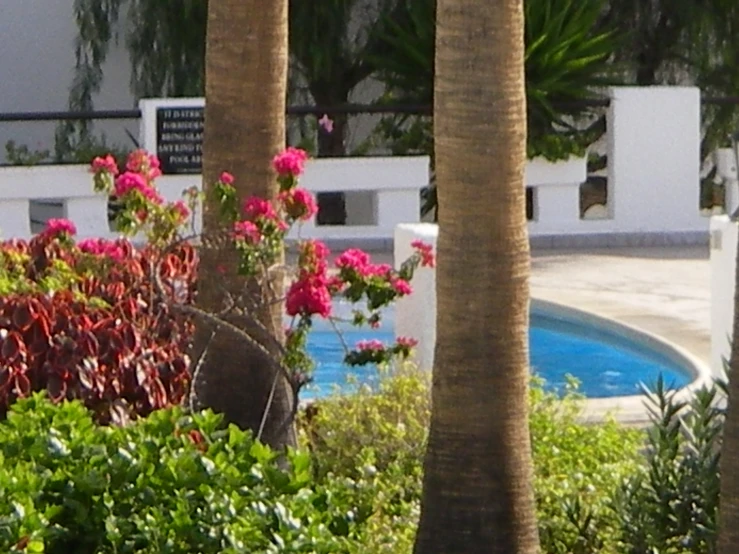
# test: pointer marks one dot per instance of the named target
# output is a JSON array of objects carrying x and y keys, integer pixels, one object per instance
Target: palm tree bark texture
[
  {"x": 477, "y": 486},
  {"x": 728, "y": 534},
  {"x": 245, "y": 96}
]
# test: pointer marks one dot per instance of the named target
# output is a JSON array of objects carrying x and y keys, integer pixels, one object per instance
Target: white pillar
[
  {"x": 723, "y": 269},
  {"x": 415, "y": 315},
  {"x": 654, "y": 136},
  {"x": 726, "y": 173}
]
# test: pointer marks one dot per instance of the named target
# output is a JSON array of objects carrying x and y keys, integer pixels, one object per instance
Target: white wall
[
  {"x": 723, "y": 269},
  {"x": 37, "y": 63}
]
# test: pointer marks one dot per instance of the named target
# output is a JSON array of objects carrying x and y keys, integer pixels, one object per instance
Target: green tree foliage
[
  {"x": 166, "y": 43},
  {"x": 686, "y": 42}
]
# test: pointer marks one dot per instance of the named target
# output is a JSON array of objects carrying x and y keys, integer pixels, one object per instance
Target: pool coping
[{"x": 630, "y": 410}]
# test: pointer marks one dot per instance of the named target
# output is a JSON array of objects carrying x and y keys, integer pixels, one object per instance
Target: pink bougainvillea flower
[
  {"x": 105, "y": 164},
  {"x": 308, "y": 296},
  {"x": 56, "y": 227},
  {"x": 247, "y": 231},
  {"x": 226, "y": 178},
  {"x": 353, "y": 259},
  {"x": 406, "y": 342},
  {"x": 326, "y": 123},
  {"x": 426, "y": 252},
  {"x": 372, "y": 345},
  {"x": 130, "y": 181},
  {"x": 103, "y": 248},
  {"x": 145, "y": 164},
  {"x": 290, "y": 162},
  {"x": 181, "y": 209},
  {"x": 298, "y": 204},
  {"x": 312, "y": 256},
  {"x": 401, "y": 286},
  {"x": 255, "y": 207},
  {"x": 379, "y": 270}
]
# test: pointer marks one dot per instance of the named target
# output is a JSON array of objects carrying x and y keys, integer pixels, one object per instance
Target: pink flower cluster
[
  {"x": 182, "y": 211},
  {"x": 255, "y": 208},
  {"x": 102, "y": 248},
  {"x": 425, "y": 251},
  {"x": 143, "y": 163},
  {"x": 130, "y": 181},
  {"x": 261, "y": 211},
  {"x": 290, "y": 162},
  {"x": 247, "y": 231},
  {"x": 57, "y": 227},
  {"x": 106, "y": 164},
  {"x": 406, "y": 342},
  {"x": 371, "y": 345},
  {"x": 358, "y": 263},
  {"x": 355, "y": 260},
  {"x": 298, "y": 204},
  {"x": 313, "y": 255},
  {"x": 310, "y": 293}
]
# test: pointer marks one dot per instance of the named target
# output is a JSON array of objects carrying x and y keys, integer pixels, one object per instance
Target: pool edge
[{"x": 629, "y": 409}]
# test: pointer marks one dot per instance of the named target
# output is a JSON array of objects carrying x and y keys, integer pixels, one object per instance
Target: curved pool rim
[{"x": 630, "y": 408}]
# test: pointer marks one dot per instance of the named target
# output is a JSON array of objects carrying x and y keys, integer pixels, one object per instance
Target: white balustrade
[
  {"x": 382, "y": 192},
  {"x": 653, "y": 147}
]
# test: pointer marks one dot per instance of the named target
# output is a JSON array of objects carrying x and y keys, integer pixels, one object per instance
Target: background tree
[
  {"x": 690, "y": 42},
  {"x": 245, "y": 90},
  {"x": 477, "y": 485},
  {"x": 165, "y": 40}
]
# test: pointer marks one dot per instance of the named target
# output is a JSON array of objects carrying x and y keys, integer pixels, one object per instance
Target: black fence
[
  {"x": 345, "y": 109},
  {"x": 305, "y": 111}
]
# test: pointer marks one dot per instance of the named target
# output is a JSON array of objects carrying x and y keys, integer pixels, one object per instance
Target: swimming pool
[{"x": 606, "y": 362}]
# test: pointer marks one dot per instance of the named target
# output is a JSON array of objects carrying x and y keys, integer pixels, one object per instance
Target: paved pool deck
[{"x": 664, "y": 291}]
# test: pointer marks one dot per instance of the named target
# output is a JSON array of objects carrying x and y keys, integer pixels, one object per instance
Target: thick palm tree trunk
[
  {"x": 245, "y": 90},
  {"x": 477, "y": 487},
  {"x": 728, "y": 539}
]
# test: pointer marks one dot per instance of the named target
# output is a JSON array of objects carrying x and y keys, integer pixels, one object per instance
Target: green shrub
[
  {"x": 579, "y": 468},
  {"x": 670, "y": 506},
  {"x": 173, "y": 482},
  {"x": 168, "y": 483}
]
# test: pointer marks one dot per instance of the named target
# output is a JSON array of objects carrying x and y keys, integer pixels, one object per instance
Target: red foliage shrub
[{"x": 123, "y": 357}]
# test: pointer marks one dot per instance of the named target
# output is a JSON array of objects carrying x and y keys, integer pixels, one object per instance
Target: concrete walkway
[{"x": 665, "y": 291}]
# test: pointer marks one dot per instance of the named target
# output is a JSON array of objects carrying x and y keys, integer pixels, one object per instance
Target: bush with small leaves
[
  {"x": 167, "y": 483},
  {"x": 578, "y": 467}
]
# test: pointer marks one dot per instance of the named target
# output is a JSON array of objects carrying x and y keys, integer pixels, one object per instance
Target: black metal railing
[{"x": 344, "y": 109}]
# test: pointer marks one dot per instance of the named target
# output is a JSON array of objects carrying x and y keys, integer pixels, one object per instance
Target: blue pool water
[{"x": 604, "y": 363}]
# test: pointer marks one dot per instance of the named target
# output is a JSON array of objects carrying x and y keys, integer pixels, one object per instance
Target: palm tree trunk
[
  {"x": 477, "y": 486},
  {"x": 245, "y": 91},
  {"x": 728, "y": 537}
]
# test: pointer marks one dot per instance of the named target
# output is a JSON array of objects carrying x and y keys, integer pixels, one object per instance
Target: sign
[{"x": 180, "y": 140}]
